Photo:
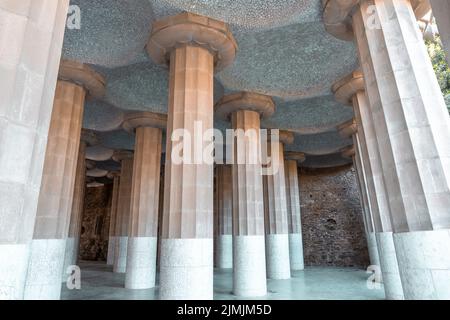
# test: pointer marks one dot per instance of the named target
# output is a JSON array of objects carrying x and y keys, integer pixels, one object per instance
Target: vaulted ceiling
[{"x": 284, "y": 52}]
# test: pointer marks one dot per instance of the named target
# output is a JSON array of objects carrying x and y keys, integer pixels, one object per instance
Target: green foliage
[{"x": 440, "y": 66}]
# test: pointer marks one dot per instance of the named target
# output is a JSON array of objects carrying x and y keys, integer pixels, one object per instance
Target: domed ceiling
[{"x": 284, "y": 51}]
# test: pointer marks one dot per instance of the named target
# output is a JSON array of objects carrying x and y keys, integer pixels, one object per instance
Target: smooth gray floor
[{"x": 98, "y": 282}]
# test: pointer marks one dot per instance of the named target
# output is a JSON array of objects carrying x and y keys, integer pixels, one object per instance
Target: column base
[
  {"x": 120, "y": 255},
  {"x": 372, "y": 247},
  {"x": 186, "y": 269},
  {"x": 296, "y": 251},
  {"x": 13, "y": 270},
  {"x": 389, "y": 266},
  {"x": 277, "y": 256},
  {"x": 249, "y": 264},
  {"x": 111, "y": 249},
  {"x": 45, "y": 269},
  {"x": 71, "y": 256},
  {"x": 424, "y": 264},
  {"x": 141, "y": 263},
  {"x": 224, "y": 251}
]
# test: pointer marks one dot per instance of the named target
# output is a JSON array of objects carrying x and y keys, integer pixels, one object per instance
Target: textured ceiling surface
[{"x": 284, "y": 51}]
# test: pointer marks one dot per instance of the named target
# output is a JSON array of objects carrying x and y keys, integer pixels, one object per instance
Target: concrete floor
[{"x": 98, "y": 282}]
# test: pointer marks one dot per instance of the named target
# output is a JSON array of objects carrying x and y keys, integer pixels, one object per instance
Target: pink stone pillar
[
  {"x": 350, "y": 90},
  {"x": 412, "y": 130},
  {"x": 73, "y": 239},
  {"x": 58, "y": 181},
  {"x": 31, "y": 36},
  {"x": 245, "y": 110},
  {"x": 195, "y": 47},
  {"x": 412, "y": 127},
  {"x": 113, "y": 218},
  {"x": 293, "y": 209},
  {"x": 143, "y": 229},
  {"x": 276, "y": 214},
  {"x": 224, "y": 218},
  {"x": 441, "y": 11},
  {"x": 123, "y": 210}
]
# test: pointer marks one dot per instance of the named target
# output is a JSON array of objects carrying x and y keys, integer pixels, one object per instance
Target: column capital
[
  {"x": 83, "y": 75},
  {"x": 337, "y": 15},
  {"x": 347, "y": 87},
  {"x": 97, "y": 173},
  {"x": 120, "y": 155},
  {"x": 99, "y": 153},
  {"x": 348, "y": 129},
  {"x": 89, "y": 137},
  {"x": 90, "y": 164},
  {"x": 285, "y": 137},
  {"x": 295, "y": 155},
  {"x": 230, "y": 103},
  {"x": 348, "y": 152},
  {"x": 136, "y": 120},
  {"x": 113, "y": 174},
  {"x": 192, "y": 29}
]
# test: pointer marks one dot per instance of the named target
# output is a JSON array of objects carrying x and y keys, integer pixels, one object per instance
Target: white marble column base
[
  {"x": 111, "y": 250},
  {"x": 13, "y": 270},
  {"x": 389, "y": 266},
  {"x": 120, "y": 255},
  {"x": 224, "y": 251},
  {"x": 372, "y": 247},
  {"x": 277, "y": 256},
  {"x": 186, "y": 269},
  {"x": 296, "y": 251},
  {"x": 71, "y": 256},
  {"x": 424, "y": 263},
  {"x": 249, "y": 266},
  {"x": 45, "y": 269},
  {"x": 141, "y": 263}
]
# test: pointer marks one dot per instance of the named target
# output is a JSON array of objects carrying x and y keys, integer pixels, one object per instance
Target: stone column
[
  {"x": 160, "y": 214},
  {"x": 224, "y": 217},
  {"x": 143, "y": 229},
  {"x": 113, "y": 219},
  {"x": 123, "y": 210},
  {"x": 249, "y": 262},
  {"x": 58, "y": 181},
  {"x": 275, "y": 211},
  {"x": 73, "y": 239},
  {"x": 293, "y": 209},
  {"x": 195, "y": 47},
  {"x": 31, "y": 39},
  {"x": 350, "y": 90},
  {"x": 363, "y": 176},
  {"x": 412, "y": 130},
  {"x": 441, "y": 11}
]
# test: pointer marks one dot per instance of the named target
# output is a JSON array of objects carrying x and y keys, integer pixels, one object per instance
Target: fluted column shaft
[
  {"x": 294, "y": 215},
  {"x": 363, "y": 176},
  {"x": 73, "y": 239},
  {"x": 123, "y": 216},
  {"x": 276, "y": 216},
  {"x": 113, "y": 220},
  {"x": 412, "y": 129},
  {"x": 249, "y": 262},
  {"x": 31, "y": 36},
  {"x": 194, "y": 46},
  {"x": 187, "y": 235},
  {"x": 56, "y": 195},
  {"x": 142, "y": 242},
  {"x": 383, "y": 227},
  {"x": 224, "y": 217}
]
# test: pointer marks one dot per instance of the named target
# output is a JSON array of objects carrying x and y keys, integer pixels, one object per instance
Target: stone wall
[
  {"x": 332, "y": 223},
  {"x": 95, "y": 224}
]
